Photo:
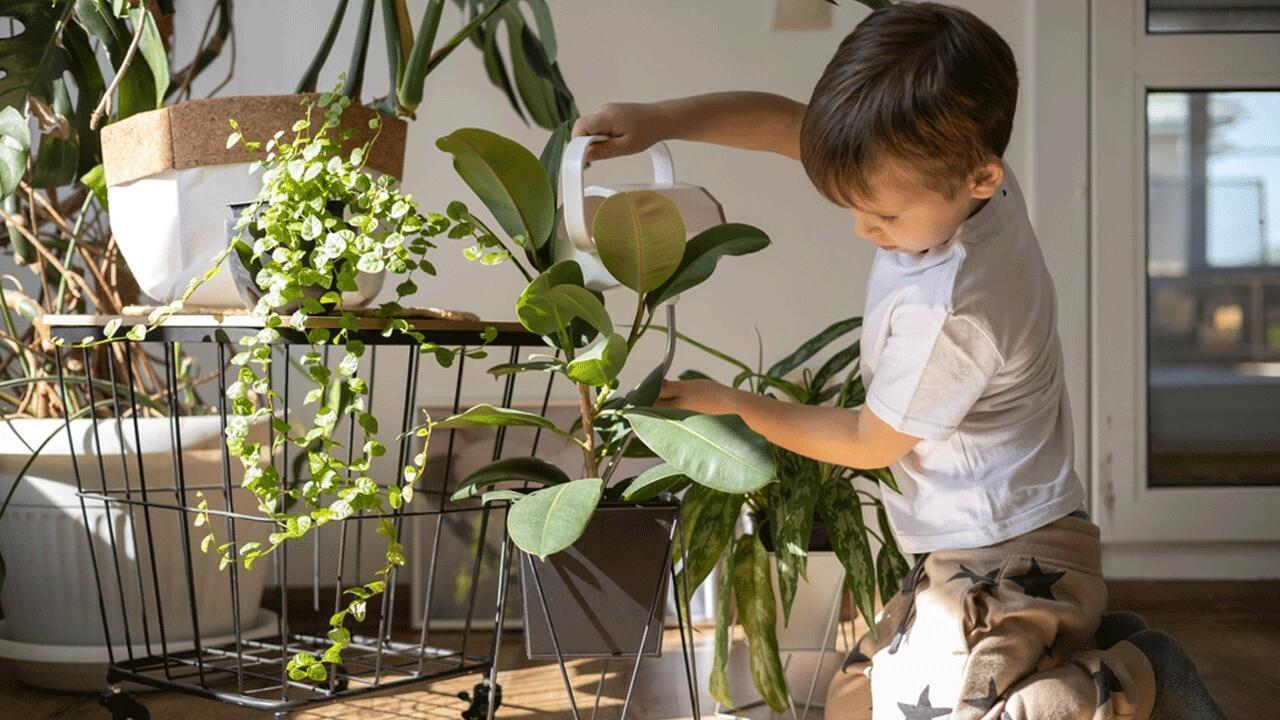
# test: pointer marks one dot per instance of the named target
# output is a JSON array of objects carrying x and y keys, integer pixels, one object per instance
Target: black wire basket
[{"x": 202, "y": 641}]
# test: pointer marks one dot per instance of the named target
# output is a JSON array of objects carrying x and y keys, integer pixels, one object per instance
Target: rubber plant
[
  {"x": 67, "y": 68},
  {"x": 807, "y": 490},
  {"x": 534, "y": 84},
  {"x": 641, "y": 241}
]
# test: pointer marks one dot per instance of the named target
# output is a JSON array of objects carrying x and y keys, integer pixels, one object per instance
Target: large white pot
[{"x": 50, "y": 595}]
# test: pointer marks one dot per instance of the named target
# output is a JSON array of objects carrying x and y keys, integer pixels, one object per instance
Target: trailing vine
[{"x": 320, "y": 219}]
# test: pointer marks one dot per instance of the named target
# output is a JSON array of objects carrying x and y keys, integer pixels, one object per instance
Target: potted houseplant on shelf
[
  {"x": 808, "y": 530},
  {"x": 320, "y": 220},
  {"x": 567, "y": 527},
  {"x": 167, "y": 194},
  {"x": 57, "y": 235}
]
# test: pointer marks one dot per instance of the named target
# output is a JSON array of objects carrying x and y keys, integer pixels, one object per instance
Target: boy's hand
[
  {"x": 630, "y": 127},
  {"x": 704, "y": 396}
]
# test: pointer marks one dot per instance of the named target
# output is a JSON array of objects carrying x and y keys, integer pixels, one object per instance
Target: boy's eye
[{"x": 887, "y": 218}]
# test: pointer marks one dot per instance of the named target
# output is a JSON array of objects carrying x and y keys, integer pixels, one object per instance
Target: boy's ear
[{"x": 986, "y": 180}]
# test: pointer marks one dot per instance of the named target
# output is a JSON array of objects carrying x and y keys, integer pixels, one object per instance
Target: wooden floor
[{"x": 1231, "y": 630}]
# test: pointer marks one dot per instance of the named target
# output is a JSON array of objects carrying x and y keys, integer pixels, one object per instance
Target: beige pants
[{"x": 1000, "y": 633}]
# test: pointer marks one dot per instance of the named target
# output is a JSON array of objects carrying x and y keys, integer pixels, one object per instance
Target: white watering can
[{"x": 697, "y": 207}]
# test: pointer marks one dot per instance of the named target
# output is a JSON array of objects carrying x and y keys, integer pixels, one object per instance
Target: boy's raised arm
[{"x": 747, "y": 120}]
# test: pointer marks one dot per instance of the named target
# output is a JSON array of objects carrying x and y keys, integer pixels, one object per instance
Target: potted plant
[
  {"x": 57, "y": 234},
  {"x": 169, "y": 173},
  {"x": 568, "y": 527},
  {"x": 808, "y": 529}
]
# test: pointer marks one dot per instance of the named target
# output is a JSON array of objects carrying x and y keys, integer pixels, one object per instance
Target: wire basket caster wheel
[
  {"x": 478, "y": 709},
  {"x": 122, "y": 705}
]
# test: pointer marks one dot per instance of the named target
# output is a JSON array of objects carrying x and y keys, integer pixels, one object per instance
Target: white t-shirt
[{"x": 960, "y": 348}]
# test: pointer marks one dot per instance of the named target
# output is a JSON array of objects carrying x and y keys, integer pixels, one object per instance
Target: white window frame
[{"x": 1126, "y": 63}]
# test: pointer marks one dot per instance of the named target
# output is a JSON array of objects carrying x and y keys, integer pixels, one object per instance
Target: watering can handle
[{"x": 575, "y": 221}]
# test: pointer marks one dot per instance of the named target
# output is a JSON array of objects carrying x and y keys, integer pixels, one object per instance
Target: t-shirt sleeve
[{"x": 933, "y": 368}]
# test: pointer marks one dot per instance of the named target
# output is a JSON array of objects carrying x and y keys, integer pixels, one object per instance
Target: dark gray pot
[
  {"x": 600, "y": 591},
  {"x": 367, "y": 284}
]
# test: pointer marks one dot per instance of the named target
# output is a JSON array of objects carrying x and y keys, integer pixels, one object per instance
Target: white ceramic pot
[{"x": 50, "y": 595}]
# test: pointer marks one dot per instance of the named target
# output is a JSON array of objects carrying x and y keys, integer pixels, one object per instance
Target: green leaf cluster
[{"x": 807, "y": 491}]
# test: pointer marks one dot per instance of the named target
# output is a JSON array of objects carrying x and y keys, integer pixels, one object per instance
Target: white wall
[{"x": 627, "y": 50}]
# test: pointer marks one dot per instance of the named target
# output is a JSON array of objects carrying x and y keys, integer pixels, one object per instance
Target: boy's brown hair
[{"x": 928, "y": 85}]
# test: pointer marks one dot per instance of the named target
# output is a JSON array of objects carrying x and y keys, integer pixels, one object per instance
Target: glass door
[{"x": 1186, "y": 270}]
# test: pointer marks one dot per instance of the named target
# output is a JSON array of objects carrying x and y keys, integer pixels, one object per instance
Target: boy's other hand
[
  {"x": 704, "y": 396},
  {"x": 630, "y": 127}
]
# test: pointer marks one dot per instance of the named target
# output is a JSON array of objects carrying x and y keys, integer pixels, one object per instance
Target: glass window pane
[
  {"x": 1213, "y": 288},
  {"x": 1209, "y": 16}
]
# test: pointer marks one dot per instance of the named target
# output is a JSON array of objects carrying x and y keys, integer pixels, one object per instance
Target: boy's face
[{"x": 905, "y": 216}]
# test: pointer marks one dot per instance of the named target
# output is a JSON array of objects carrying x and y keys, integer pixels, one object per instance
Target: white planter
[
  {"x": 50, "y": 595},
  {"x": 170, "y": 177},
  {"x": 811, "y": 626},
  {"x": 807, "y": 644}
]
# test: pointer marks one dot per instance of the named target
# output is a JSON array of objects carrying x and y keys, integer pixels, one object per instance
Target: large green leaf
[
  {"x": 799, "y": 479},
  {"x": 547, "y": 308},
  {"x": 646, "y": 392},
  {"x": 136, "y": 91},
  {"x": 842, "y": 514},
  {"x": 640, "y": 238},
  {"x": 653, "y": 482},
  {"x": 537, "y": 94},
  {"x": 718, "y": 451},
  {"x": 813, "y": 346},
  {"x": 891, "y": 566},
  {"x": 753, "y": 587},
  {"x": 553, "y": 518},
  {"x": 516, "y": 469},
  {"x": 703, "y": 252},
  {"x": 708, "y": 518},
  {"x": 57, "y": 157},
  {"x": 485, "y": 415},
  {"x": 15, "y": 146},
  {"x": 718, "y": 684},
  {"x": 600, "y": 365},
  {"x": 32, "y": 58},
  {"x": 151, "y": 48},
  {"x": 507, "y": 178}
]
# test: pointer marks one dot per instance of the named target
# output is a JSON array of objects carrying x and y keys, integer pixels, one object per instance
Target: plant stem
[
  {"x": 588, "y": 429},
  {"x": 637, "y": 326}
]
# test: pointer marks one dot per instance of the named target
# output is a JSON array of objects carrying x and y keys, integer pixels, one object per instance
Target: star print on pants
[
  {"x": 1036, "y": 582},
  {"x": 988, "y": 702},
  {"x": 1107, "y": 683},
  {"x": 923, "y": 709},
  {"x": 974, "y": 577}
]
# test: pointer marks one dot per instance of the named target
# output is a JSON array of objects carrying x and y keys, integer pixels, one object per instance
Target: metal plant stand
[{"x": 163, "y": 646}]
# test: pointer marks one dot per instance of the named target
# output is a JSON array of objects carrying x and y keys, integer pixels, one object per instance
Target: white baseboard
[{"x": 1191, "y": 561}]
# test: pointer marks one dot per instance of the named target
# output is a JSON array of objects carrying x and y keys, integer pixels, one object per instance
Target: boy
[{"x": 1000, "y": 618}]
